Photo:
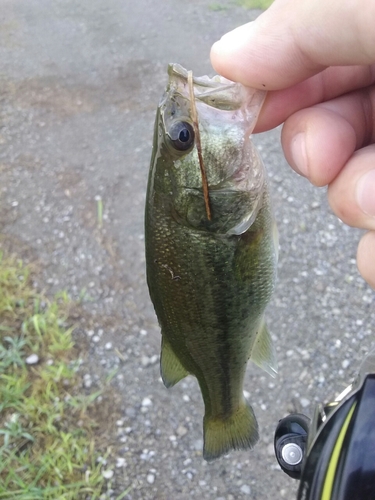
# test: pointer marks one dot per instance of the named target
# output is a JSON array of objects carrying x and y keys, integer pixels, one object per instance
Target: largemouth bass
[{"x": 211, "y": 260}]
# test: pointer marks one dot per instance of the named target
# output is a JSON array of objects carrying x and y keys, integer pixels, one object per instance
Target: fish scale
[{"x": 210, "y": 280}]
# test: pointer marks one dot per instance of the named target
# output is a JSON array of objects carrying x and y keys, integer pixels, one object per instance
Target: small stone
[
  {"x": 150, "y": 478},
  {"x": 96, "y": 338},
  {"x": 119, "y": 423},
  {"x": 145, "y": 361},
  {"x": 186, "y": 398},
  {"x": 90, "y": 333},
  {"x": 187, "y": 461},
  {"x": 87, "y": 383},
  {"x": 246, "y": 394},
  {"x": 245, "y": 489},
  {"x": 107, "y": 474},
  {"x": 345, "y": 363},
  {"x": 143, "y": 332},
  {"x": 181, "y": 431},
  {"x": 108, "y": 346},
  {"x": 146, "y": 402},
  {"x": 305, "y": 354},
  {"x": 33, "y": 359},
  {"x": 120, "y": 462},
  {"x": 304, "y": 402}
]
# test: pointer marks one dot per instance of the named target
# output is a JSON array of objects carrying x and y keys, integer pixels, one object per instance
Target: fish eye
[{"x": 181, "y": 135}]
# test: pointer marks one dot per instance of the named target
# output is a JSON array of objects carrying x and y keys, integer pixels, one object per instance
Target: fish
[{"x": 211, "y": 254}]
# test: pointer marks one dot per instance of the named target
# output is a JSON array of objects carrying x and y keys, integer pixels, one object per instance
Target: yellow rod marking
[
  {"x": 194, "y": 117},
  {"x": 329, "y": 479}
]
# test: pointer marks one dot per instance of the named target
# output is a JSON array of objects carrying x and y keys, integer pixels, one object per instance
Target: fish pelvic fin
[
  {"x": 263, "y": 352},
  {"x": 237, "y": 432},
  {"x": 171, "y": 369}
]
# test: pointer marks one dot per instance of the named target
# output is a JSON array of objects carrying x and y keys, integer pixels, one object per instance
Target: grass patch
[
  {"x": 217, "y": 7},
  {"x": 255, "y": 4},
  {"x": 47, "y": 446}
]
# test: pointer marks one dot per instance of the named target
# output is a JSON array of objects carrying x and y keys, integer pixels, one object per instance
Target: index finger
[
  {"x": 292, "y": 41},
  {"x": 330, "y": 83}
]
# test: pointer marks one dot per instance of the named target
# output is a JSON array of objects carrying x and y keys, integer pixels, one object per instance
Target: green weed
[
  {"x": 99, "y": 209},
  {"x": 47, "y": 446},
  {"x": 216, "y": 7},
  {"x": 255, "y": 4}
]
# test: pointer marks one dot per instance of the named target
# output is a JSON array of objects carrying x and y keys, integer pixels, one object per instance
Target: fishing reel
[{"x": 333, "y": 455}]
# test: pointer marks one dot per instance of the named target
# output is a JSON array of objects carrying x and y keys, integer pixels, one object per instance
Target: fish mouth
[{"x": 217, "y": 92}]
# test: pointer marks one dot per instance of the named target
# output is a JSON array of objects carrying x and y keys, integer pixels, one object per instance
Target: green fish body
[{"x": 210, "y": 280}]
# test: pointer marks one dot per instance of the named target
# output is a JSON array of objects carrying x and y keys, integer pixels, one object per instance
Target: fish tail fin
[{"x": 239, "y": 431}]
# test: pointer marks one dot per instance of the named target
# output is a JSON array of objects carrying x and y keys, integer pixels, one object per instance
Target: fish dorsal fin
[
  {"x": 171, "y": 369},
  {"x": 263, "y": 352}
]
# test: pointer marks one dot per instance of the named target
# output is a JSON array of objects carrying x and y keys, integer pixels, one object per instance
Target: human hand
[{"x": 317, "y": 59}]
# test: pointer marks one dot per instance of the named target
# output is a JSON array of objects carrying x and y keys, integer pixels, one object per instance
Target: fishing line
[{"x": 194, "y": 117}]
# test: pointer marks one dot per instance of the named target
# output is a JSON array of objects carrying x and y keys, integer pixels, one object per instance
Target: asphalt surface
[{"x": 79, "y": 85}]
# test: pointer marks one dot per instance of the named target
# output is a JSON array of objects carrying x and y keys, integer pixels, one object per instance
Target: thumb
[{"x": 292, "y": 41}]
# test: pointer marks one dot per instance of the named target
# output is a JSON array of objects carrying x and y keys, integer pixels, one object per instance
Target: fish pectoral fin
[
  {"x": 171, "y": 369},
  {"x": 239, "y": 431},
  {"x": 263, "y": 352}
]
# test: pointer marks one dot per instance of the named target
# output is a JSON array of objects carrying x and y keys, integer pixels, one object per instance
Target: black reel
[{"x": 291, "y": 442}]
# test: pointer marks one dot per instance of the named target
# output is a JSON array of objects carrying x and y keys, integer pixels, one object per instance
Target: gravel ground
[{"x": 79, "y": 84}]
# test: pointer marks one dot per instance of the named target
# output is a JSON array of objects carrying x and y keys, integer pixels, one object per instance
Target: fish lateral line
[{"x": 194, "y": 117}]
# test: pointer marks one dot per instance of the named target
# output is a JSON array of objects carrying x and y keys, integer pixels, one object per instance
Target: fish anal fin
[
  {"x": 237, "y": 432},
  {"x": 263, "y": 352},
  {"x": 171, "y": 369}
]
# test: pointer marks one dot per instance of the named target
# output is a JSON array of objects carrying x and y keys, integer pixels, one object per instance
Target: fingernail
[
  {"x": 365, "y": 193},
  {"x": 299, "y": 155}
]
